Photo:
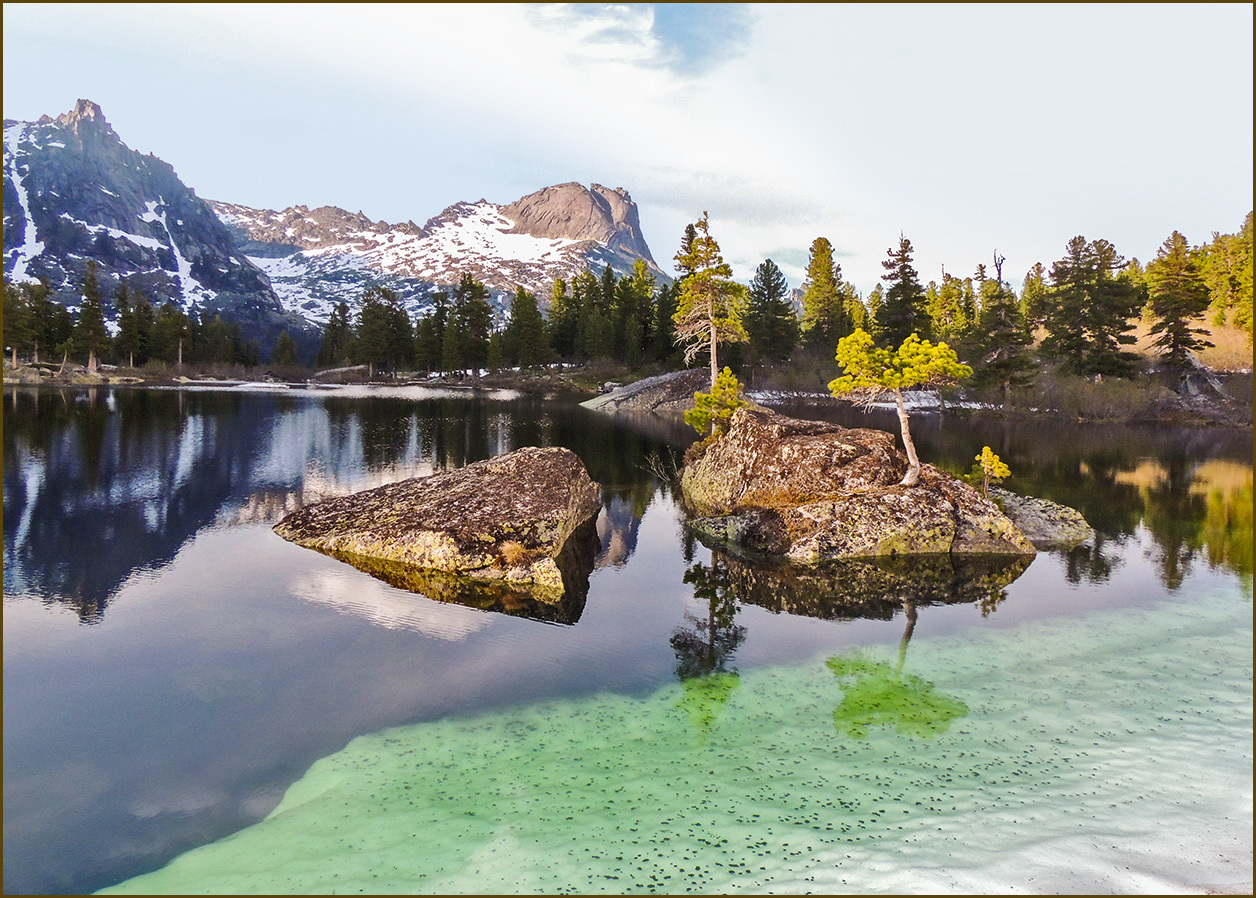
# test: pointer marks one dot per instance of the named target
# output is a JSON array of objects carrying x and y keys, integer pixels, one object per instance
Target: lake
[{"x": 192, "y": 704}]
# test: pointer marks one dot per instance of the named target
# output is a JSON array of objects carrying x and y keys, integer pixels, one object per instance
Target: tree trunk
[
  {"x": 180, "y": 368},
  {"x": 65, "y": 360},
  {"x": 14, "y": 356},
  {"x": 715, "y": 371},
  {"x": 913, "y": 461},
  {"x": 910, "y": 609}
]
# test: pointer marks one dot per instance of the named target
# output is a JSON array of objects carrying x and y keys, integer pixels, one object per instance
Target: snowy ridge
[{"x": 318, "y": 258}]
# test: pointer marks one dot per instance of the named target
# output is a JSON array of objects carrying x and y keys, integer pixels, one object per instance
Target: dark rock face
[
  {"x": 506, "y": 520},
  {"x": 73, "y": 192},
  {"x": 814, "y": 492}
]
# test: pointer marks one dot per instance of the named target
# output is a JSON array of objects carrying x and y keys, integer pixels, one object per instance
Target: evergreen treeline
[
  {"x": 622, "y": 319},
  {"x": 41, "y": 329},
  {"x": 1083, "y": 307}
]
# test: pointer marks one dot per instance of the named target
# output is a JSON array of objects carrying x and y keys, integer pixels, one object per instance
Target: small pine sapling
[
  {"x": 712, "y": 411},
  {"x": 993, "y": 470}
]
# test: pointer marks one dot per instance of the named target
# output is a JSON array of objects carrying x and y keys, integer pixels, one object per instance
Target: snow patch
[
  {"x": 137, "y": 239},
  {"x": 30, "y": 247}
]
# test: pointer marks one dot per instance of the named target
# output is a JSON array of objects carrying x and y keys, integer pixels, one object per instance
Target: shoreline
[{"x": 1184, "y": 412}]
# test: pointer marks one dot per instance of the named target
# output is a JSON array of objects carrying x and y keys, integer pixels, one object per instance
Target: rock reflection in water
[
  {"x": 878, "y": 589},
  {"x": 575, "y": 563}
]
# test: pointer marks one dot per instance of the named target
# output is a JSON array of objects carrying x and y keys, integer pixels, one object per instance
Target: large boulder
[
  {"x": 815, "y": 491},
  {"x": 519, "y": 520}
]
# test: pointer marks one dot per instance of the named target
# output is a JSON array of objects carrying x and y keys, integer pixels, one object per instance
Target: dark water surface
[{"x": 172, "y": 668}]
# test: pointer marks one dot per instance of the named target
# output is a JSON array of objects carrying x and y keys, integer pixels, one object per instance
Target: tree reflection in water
[
  {"x": 704, "y": 645},
  {"x": 874, "y": 693}
]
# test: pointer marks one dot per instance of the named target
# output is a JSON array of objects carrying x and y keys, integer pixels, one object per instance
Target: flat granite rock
[
  {"x": 814, "y": 492},
  {"x": 1047, "y": 524},
  {"x": 505, "y": 519}
]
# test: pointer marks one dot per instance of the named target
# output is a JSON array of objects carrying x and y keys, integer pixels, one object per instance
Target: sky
[{"x": 966, "y": 128}]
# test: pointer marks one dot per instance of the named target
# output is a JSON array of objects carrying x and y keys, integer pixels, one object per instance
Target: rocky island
[
  {"x": 521, "y": 522},
  {"x": 816, "y": 492}
]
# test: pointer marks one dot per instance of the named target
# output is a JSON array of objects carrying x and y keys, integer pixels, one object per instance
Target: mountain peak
[
  {"x": 85, "y": 117},
  {"x": 571, "y": 210}
]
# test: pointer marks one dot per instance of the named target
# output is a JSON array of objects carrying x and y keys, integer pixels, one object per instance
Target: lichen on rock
[
  {"x": 505, "y": 520},
  {"x": 814, "y": 491}
]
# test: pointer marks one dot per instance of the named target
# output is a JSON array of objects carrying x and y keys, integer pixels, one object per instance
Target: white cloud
[{"x": 966, "y": 127}]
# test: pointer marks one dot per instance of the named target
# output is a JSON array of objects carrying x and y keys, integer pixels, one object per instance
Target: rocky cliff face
[
  {"x": 74, "y": 192},
  {"x": 318, "y": 258}
]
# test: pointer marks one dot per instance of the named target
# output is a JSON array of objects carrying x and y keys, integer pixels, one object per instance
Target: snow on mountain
[
  {"x": 318, "y": 258},
  {"x": 74, "y": 193}
]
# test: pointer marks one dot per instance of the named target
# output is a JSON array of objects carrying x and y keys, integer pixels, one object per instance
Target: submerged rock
[
  {"x": 1047, "y": 524},
  {"x": 815, "y": 491},
  {"x": 507, "y": 520}
]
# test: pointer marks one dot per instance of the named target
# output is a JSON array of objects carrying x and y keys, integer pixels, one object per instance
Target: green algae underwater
[{"x": 1108, "y": 751}]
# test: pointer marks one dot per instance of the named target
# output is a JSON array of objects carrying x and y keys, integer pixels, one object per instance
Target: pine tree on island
[
  {"x": 711, "y": 304},
  {"x": 871, "y": 371}
]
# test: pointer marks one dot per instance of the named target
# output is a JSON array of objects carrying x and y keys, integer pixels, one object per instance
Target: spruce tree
[
  {"x": 1088, "y": 310},
  {"x": 170, "y": 333},
  {"x": 473, "y": 317},
  {"x": 663, "y": 334},
  {"x": 824, "y": 319},
  {"x": 1178, "y": 295},
  {"x": 1033, "y": 295},
  {"x": 384, "y": 338},
  {"x": 686, "y": 248},
  {"x": 127, "y": 340},
  {"x": 876, "y": 309},
  {"x": 337, "y": 335},
  {"x": 710, "y": 305},
  {"x": 1002, "y": 338},
  {"x": 285, "y": 354},
  {"x": 19, "y": 320},
  {"x": 525, "y": 332},
  {"x": 770, "y": 320},
  {"x": 903, "y": 313},
  {"x": 564, "y": 320},
  {"x": 90, "y": 337}
]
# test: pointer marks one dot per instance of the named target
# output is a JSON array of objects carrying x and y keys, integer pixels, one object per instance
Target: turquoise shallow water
[{"x": 1105, "y": 752}]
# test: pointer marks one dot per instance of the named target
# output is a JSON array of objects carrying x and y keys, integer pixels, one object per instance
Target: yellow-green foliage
[
  {"x": 915, "y": 363},
  {"x": 712, "y": 410},
  {"x": 993, "y": 469}
]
